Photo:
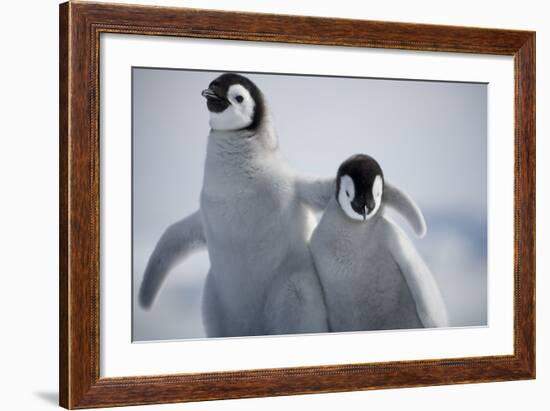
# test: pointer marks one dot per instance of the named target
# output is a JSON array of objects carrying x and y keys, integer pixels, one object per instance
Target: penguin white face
[
  {"x": 239, "y": 112},
  {"x": 234, "y": 103},
  {"x": 360, "y": 185}
]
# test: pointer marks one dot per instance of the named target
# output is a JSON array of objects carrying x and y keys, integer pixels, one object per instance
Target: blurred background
[{"x": 429, "y": 137}]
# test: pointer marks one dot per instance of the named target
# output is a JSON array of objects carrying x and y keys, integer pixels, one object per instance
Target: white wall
[{"x": 28, "y": 217}]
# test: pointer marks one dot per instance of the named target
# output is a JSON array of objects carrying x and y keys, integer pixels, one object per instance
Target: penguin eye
[
  {"x": 347, "y": 193},
  {"x": 239, "y": 99}
]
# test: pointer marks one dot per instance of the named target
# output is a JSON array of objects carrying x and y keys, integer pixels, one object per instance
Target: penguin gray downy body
[
  {"x": 255, "y": 219},
  {"x": 372, "y": 275}
]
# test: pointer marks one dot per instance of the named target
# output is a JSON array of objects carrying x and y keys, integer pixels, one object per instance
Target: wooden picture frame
[{"x": 81, "y": 24}]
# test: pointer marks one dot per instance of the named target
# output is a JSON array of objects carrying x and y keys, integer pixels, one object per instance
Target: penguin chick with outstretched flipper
[
  {"x": 253, "y": 223},
  {"x": 255, "y": 219},
  {"x": 372, "y": 275}
]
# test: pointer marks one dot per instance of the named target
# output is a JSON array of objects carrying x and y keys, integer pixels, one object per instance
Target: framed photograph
[{"x": 258, "y": 205}]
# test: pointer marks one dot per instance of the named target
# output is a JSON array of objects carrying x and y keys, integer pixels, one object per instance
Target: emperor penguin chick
[
  {"x": 372, "y": 275},
  {"x": 255, "y": 219}
]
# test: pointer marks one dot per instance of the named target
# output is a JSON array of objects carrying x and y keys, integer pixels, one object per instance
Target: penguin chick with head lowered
[
  {"x": 372, "y": 276},
  {"x": 255, "y": 219}
]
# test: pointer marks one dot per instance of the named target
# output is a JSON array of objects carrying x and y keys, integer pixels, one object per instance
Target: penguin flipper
[
  {"x": 314, "y": 191},
  {"x": 424, "y": 289},
  {"x": 406, "y": 206},
  {"x": 177, "y": 242}
]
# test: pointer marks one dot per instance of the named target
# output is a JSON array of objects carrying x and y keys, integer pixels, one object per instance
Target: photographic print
[
  {"x": 277, "y": 204},
  {"x": 290, "y": 184}
]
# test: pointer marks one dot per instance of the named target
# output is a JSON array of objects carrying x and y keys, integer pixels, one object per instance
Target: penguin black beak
[
  {"x": 215, "y": 102},
  {"x": 208, "y": 93}
]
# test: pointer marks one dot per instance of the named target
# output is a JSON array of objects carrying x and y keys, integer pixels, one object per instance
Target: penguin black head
[
  {"x": 359, "y": 187},
  {"x": 234, "y": 103}
]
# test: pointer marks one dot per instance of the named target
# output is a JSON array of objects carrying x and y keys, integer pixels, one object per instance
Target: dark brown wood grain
[
  {"x": 63, "y": 205},
  {"x": 525, "y": 203},
  {"x": 80, "y": 27}
]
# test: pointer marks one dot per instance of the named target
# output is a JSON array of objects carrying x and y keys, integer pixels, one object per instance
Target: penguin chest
[
  {"x": 248, "y": 213},
  {"x": 386, "y": 301},
  {"x": 364, "y": 287},
  {"x": 250, "y": 230}
]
